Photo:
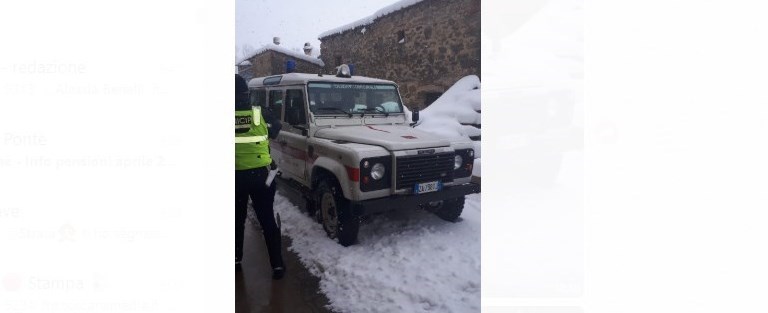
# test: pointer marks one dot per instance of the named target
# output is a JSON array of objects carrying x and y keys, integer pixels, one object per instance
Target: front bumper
[{"x": 367, "y": 207}]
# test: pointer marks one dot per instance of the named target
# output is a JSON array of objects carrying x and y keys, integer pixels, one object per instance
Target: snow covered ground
[{"x": 405, "y": 261}]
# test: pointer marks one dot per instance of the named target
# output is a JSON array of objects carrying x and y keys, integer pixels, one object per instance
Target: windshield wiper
[
  {"x": 334, "y": 109},
  {"x": 375, "y": 110}
]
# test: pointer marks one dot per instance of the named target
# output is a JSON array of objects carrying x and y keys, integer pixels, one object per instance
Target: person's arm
[{"x": 273, "y": 123}]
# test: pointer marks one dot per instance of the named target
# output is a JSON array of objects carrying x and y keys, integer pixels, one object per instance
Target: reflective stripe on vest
[
  {"x": 256, "y": 115},
  {"x": 255, "y": 121},
  {"x": 250, "y": 139}
]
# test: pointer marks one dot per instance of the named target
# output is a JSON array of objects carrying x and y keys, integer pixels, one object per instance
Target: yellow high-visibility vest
[{"x": 251, "y": 141}]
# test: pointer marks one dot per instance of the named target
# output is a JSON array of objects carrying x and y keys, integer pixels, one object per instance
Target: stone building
[
  {"x": 424, "y": 46},
  {"x": 272, "y": 59}
]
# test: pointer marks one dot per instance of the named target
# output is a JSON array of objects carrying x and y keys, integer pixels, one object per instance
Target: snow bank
[
  {"x": 409, "y": 261},
  {"x": 397, "y": 6},
  {"x": 457, "y": 106},
  {"x": 295, "y": 54}
]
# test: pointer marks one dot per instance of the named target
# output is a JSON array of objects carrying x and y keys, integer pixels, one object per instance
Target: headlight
[
  {"x": 457, "y": 160},
  {"x": 377, "y": 172}
]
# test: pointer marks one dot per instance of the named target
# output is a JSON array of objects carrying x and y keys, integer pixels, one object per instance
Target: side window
[
  {"x": 276, "y": 102},
  {"x": 294, "y": 108},
  {"x": 259, "y": 98}
]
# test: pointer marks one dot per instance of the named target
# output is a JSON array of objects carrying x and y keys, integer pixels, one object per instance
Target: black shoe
[
  {"x": 278, "y": 273},
  {"x": 238, "y": 267}
]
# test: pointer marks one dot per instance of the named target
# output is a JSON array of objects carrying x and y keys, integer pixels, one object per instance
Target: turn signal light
[{"x": 353, "y": 173}]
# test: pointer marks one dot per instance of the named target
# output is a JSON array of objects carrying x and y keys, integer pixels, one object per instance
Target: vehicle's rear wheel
[
  {"x": 335, "y": 213},
  {"x": 449, "y": 209}
]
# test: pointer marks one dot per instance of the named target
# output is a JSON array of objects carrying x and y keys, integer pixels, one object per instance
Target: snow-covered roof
[
  {"x": 303, "y": 78},
  {"x": 397, "y": 6},
  {"x": 245, "y": 63},
  {"x": 298, "y": 55}
]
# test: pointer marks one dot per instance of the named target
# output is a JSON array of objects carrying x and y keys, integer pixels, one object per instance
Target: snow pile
[
  {"x": 405, "y": 261},
  {"x": 295, "y": 54},
  {"x": 458, "y": 105},
  {"x": 397, "y": 6}
]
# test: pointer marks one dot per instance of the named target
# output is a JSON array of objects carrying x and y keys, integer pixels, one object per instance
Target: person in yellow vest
[{"x": 252, "y": 166}]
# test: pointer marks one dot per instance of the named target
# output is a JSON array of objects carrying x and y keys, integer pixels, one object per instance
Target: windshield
[{"x": 345, "y": 98}]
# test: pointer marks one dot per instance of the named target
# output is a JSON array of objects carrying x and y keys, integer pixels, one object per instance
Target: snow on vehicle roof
[
  {"x": 397, "y": 6},
  {"x": 298, "y": 55},
  {"x": 303, "y": 78}
]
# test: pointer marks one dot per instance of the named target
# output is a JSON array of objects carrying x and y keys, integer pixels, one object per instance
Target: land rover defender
[{"x": 347, "y": 149}]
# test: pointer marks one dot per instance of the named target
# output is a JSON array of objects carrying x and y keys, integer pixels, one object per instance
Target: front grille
[{"x": 417, "y": 169}]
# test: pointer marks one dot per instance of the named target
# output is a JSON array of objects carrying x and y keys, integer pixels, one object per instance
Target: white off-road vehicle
[{"x": 346, "y": 150}]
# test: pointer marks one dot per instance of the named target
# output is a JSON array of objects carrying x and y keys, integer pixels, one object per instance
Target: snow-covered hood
[{"x": 391, "y": 137}]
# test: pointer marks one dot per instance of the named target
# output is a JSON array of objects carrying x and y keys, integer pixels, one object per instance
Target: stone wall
[
  {"x": 271, "y": 62},
  {"x": 441, "y": 44}
]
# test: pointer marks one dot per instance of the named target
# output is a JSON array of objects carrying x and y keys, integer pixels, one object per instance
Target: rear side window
[{"x": 276, "y": 102}]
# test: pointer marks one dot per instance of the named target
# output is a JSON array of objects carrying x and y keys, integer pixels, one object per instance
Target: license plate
[{"x": 427, "y": 187}]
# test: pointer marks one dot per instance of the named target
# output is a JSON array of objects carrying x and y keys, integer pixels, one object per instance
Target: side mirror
[
  {"x": 303, "y": 128},
  {"x": 415, "y": 116}
]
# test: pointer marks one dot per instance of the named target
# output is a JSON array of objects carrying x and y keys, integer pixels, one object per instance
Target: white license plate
[{"x": 427, "y": 187}]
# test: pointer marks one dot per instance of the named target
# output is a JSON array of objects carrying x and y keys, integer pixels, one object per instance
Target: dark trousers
[{"x": 251, "y": 184}]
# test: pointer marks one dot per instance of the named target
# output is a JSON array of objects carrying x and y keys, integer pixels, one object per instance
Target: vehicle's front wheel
[
  {"x": 335, "y": 213},
  {"x": 449, "y": 209}
]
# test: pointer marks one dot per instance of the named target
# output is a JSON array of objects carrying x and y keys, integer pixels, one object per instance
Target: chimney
[
  {"x": 276, "y": 40},
  {"x": 308, "y": 49}
]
